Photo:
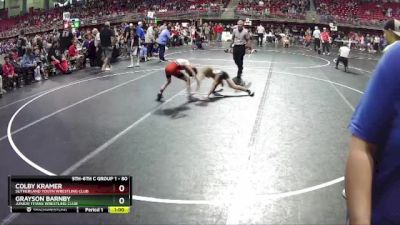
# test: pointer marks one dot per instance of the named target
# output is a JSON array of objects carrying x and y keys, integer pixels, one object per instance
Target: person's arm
[
  {"x": 53, "y": 58},
  {"x": 125, "y": 35},
  {"x": 359, "y": 173},
  {"x": 233, "y": 38},
  {"x": 12, "y": 70},
  {"x": 213, "y": 87},
  {"x": 26, "y": 61},
  {"x": 6, "y": 71},
  {"x": 248, "y": 40},
  {"x": 190, "y": 70}
]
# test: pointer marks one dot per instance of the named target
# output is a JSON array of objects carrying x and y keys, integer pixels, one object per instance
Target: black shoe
[
  {"x": 241, "y": 82},
  {"x": 1, "y": 95},
  {"x": 217, "y": 91},
  {"x": 226, "y": 50},
  {"x": 250, "y": 93},
  {"x": 336, "y": 67},
  {"x": 237, "y": 80},
  {"x": 191, "y": 98},
  {"x": 345, "y": 69},
  {"x": 159, "y": 96}
]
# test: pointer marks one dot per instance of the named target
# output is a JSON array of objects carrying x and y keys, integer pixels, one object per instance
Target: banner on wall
[
  {"x": 248, "y": 22},
  {"x": 66, "y": 16}
]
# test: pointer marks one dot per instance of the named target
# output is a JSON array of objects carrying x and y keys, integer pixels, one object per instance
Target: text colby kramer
[{"x": 42, "y": 198}]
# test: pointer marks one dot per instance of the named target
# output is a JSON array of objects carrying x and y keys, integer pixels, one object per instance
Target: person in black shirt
[
  {"x": 66, "y": 38},
  {"x": 127, "y": 32},
  {"x": 21, "y": 43},
  {"x": 107, "y": 39},
  {"x": 57, "y": 60}
]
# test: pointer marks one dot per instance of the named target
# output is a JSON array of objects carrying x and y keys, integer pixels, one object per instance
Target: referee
[{"x": 240, "y": 39}]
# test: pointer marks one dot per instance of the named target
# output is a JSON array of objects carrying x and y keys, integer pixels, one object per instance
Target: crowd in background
[
  {"x": 287, "y": 8},
  {"x": 28, "y": 59},
  {"x": 37, "y": 20},
  {"x": 301, "y": 34},
  {"x": 359, "y": 12}
]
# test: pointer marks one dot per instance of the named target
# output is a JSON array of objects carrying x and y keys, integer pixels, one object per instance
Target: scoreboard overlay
[{"x": 70, "y": 194}]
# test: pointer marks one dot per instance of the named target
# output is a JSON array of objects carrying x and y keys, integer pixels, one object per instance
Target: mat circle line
[{"x": 175, "y": 201}]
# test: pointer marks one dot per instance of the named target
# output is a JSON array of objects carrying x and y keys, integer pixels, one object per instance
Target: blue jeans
[{"x": 162, "y": 51}]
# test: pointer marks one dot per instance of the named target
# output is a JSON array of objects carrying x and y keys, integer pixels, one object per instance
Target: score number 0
[{"x": 121, "y": 188}]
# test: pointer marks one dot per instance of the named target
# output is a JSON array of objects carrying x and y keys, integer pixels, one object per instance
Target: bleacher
[
  {"x": 96, "y": 9},
  {"x": 274, "y": 8},
  {"x": 357, "y": 12}
]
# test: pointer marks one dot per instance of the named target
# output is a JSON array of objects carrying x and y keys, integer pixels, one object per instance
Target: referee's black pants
[
  {"x": 317, "y": 44},
  {"x": 238, "y": 54},
  {"x": 260, "y": 39}
]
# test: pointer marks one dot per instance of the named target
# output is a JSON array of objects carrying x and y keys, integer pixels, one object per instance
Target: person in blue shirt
[
  {"x": 28, "y": 65},
  {"x": 373, "y": 165},
  {"x": 162, "y": 42},
  {"x": 140, "y": 32}
]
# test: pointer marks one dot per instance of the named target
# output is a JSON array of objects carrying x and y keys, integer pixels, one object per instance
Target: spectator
[
  {"x": 198, "y": 40},
  {"x": 56, "y": 58},
  {"x": 28, "y": 66},
  {"x": 133, "y": 44},
  {"x": 91, "y": 50},
  {"x": 163, "y": 27},
  {"x": 1, "y": 86},
  {"x": 162, "y": 42},
  {"x": 212, "y": 32},
  {"x": 14, "y": 55},
  {"x": 143, "y": 53},
  {"x": 107, "y": 39},
  {"x": 140, "y": 32},
  {"x": 377, "y": 41},
  {"x": 325, "y": 38},
  {"x": 127, "y": 33},
  {"x": 9, "y": 75},
  {"x": 219, "y": 31},
  {"x": 40, "y": 60},
  {"x": 149, "y": 40},
  {"x": 97, "y": 44},
  {"x": 22, "y": 42},
  {"x": 66, "y": 37},
  {"x": 207, "y": 31},
  {"x": 74, "y": 57}
]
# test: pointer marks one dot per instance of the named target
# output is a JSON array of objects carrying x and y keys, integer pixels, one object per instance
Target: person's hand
[{"x": 58, "y": 61}]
